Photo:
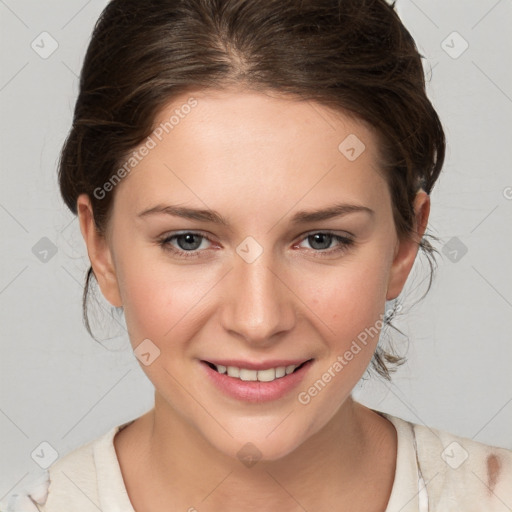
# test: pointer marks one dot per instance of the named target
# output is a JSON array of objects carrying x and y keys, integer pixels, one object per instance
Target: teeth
[
  {"x": 289, "y": 369},
  {"x": 256, "y": 375},
  {"x": 248, "y": 374},
  {"x": 267, "y": 375},
  {"x": 233, "y": 371}
]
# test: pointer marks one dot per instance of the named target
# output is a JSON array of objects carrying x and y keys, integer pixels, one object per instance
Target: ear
[
  {"x": 407, "y": 249},
  {"x": 99, "y": 252}
]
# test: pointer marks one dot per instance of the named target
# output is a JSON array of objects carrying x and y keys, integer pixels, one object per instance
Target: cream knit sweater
[{"x": 436, "y": 472}]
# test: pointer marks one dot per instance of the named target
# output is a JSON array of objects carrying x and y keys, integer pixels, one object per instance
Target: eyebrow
[{"x": 301, "y": 217}]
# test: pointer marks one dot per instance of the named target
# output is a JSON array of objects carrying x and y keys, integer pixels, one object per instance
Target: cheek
[
  {"x": 159, "y": 298},
  {"x": 349, "y": 299},
  {"x": 351, "y": 304}
]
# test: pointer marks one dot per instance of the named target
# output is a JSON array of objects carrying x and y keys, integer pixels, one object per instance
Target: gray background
[{"x": 61, "y": 387}]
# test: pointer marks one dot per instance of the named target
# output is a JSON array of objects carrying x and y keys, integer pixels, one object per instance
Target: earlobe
[
  {"x": 407, "y": 249},
  {"x": 99, "y": 252}
]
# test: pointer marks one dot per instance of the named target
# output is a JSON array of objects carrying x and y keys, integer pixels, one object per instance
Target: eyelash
[{"x": 344, "y": 244}]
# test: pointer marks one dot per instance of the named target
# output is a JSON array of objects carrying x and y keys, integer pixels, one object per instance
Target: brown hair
[{"x": 352, "y": 55}]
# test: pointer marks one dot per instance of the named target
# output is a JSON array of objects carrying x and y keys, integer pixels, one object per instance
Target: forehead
[
  {"x": 245, "y": 144},
  {"x": 221, "y": 116}
]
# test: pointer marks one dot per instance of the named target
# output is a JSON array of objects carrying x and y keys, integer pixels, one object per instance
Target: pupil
[
  {"x": 188, "y": 241},
  {"x": 320, "y": 236}
]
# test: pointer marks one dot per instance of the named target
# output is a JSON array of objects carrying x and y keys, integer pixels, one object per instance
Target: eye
[
  {"x": 321, "y": 241},
  {"x": 188, "y": 243},
  {"x": 191, "y": 244}
]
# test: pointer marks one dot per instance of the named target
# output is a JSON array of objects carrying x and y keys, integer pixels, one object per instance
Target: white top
[{"x": 435, "y": 472}]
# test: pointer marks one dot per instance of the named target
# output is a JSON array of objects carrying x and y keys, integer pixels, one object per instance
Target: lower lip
[{"x": 256, "y": 391}]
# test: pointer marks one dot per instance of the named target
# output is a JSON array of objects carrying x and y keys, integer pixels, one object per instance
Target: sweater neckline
[{"x": 405, "y": 493}]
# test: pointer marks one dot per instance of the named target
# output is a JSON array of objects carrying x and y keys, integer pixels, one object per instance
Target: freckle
[{"x": 493, "y": 469}]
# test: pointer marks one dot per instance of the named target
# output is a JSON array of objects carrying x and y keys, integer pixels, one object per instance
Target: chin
[
  {"x": 262, "y": 450},
  {"x": 251, "y": 443}
]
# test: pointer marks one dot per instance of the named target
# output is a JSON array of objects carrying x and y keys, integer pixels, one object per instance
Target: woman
[{"x": 252, "y": 181}]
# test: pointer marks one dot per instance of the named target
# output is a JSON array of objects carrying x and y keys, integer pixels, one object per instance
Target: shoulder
[
  {"x": 460, "y": 473},
  {"x": 71, "y": 483}
]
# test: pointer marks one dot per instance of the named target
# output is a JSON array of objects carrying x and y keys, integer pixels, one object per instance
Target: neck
[{"x": 334, "y": 462}]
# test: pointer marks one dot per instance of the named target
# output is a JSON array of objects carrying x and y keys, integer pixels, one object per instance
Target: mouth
[
  {"x": 252, "y": 375},
  {"x": 256, "y": 382}
]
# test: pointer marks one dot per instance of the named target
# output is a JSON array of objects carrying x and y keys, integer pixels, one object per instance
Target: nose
[{"x": 258, "y": 306}]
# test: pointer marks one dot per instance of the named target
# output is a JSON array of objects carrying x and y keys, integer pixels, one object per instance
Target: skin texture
[{"x": 256, "y": 158}]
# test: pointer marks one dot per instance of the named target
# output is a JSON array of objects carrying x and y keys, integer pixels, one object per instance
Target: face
[{"x": 216, "y": 253}]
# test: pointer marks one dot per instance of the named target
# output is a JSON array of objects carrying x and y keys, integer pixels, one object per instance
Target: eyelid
[
  {"x": 164, "y": 241},
  {"x": 333, "y": 232},
  {"x": 173, "y": 234},
  {"x": 344, "y": 243}
]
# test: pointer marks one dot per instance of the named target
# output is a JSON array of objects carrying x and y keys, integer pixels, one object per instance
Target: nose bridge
[{"x": 258, "y": 306}]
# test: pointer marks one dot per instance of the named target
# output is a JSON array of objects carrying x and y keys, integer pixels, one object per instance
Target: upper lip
[{"x": 249, "y": 365}]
